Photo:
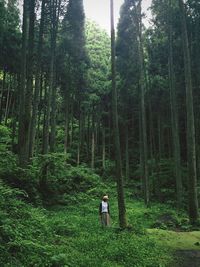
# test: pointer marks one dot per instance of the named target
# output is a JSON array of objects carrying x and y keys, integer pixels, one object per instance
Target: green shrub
[
  {"x": 59, "y": 181},
  {"x": 5, "y": 138}
]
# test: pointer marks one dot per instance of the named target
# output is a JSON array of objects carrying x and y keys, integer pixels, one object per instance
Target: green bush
[
  {"x": 50, "y": 178},
  {"x": 59, "y": 181},
  {"x": 25, "y": 179},
  {"x": 5, "y": 138}
]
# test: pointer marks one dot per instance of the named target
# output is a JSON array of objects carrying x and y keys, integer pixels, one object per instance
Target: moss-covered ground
[{"x": 177, "y": 240}]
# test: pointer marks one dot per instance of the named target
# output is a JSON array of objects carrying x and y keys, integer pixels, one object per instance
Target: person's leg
[
  {"x": 107, "y": 219},
  {"x": 104, "y": 219}
]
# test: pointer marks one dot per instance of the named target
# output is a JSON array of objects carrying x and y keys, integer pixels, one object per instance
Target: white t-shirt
[{"x": 104, "y": 206}]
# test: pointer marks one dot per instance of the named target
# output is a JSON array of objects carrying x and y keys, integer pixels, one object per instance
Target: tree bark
[
  {"x": 37, "y": 83},
  {"x": 127, "y": 150},
  {"x": 2, "y": 95},
  {"x": 93, "y": 140},
  {"x": 143, "y": 110},
  {"x": 120, "y": 186},
  {"x": 191, "y": 148},
  {"x": 103, "y": 148},
  {"x": 55, "y": 18},
  {"x": 174, "y": 117},
  {"x": 66, "y": 121},
  {"x": 22, "y": 149}
]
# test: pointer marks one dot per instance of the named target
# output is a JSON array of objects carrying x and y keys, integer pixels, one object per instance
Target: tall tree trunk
[
  {"x": 174, "y": 116},
  {"x": 55, "y": 19},
  {"x": 21, "y": 132},
  {"x": 79, "y": 142},
  {"x": 71, "y": 137},
  {"x": 2, "y": 95},
  {"x": 120, "y": 186},
  {"x": 37, "y": 136},
  {"x": 103, "y": 148},
  {"x": 66, "y": 121},
  {"x": 143, "y": 110},
  {"x": 45, "y": 143},
  {"x": 191, "y": 148},
  {"x": 8, "y": 99},
  {"x": 159, "y": 158},
  {"x": 30, "y": 64},
  {"x": 93, "y": 140},
  {"x": 37, "y": 83},
  {"x": 127, "y": 150}
]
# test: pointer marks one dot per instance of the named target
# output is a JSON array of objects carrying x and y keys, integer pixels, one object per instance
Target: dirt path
[
  {"x": 185, "y": 244},
  {"x": 188, "y": 258}
]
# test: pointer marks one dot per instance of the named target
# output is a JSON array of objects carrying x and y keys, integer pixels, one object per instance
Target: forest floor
[
  {"x": 70, "y": 235},
  {"x": 184, "y": 247}
]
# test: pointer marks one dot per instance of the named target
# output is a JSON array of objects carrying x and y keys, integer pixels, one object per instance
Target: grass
[
  {"x": 90, "y": 245},
  {"x": 72, "y": 236}
]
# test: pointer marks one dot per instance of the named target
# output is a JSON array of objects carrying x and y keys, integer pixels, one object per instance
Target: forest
[{"x": 85, "y": 113}]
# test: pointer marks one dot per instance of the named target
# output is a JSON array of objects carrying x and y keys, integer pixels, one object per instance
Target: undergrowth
[{"x": 71, "y": 235}]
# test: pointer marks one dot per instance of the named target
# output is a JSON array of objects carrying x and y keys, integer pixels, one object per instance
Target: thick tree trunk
[
  {"x": 120, "y": 186},
  {"x": 191, "y": 148},
  {"x": 174, "y": 118}
]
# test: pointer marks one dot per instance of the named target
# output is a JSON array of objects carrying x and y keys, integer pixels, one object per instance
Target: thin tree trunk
[
  {"x": 93, "y": 140},
  {"x": 120, "y": 186},
  {"x": 30, "y": 64},
  {"x": 46, "y": 119},
  {"x": 127, "y": 150},
  {"x": 66, "y": 122},
  {"x": 143, "y": 110},
  {"x": 158, "y": 159},
  {"x": 2, "y": 96},
  {"x": 8, "y": 98},
  {"x": 37, "y": 83},
  {"x": 93, "y": 137},
  {"x": 71, "y": 121},
  {"x": 55, "y": 20},
  {"x": 103, "y": 148}
]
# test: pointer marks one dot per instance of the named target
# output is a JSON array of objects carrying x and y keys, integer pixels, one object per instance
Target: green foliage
[
  {"x": 51, "y": 178},
  {"x": 24, "y": 179},
  {"x": 59, "y": 181},
  {"x": 98, "y": 49},
  {"x": 109, "y": 171},
  {"x": 5, "y": 138},
  {"x": 10, "y": 36},
  {"x": 71, "y": 236}
]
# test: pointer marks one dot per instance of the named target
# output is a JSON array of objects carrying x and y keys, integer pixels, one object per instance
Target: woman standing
[{"x": 104, "y": 211}]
